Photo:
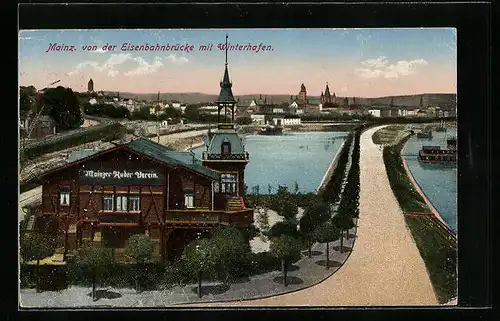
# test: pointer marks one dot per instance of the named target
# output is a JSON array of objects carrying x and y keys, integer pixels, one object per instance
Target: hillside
[{"x": 447, "y": 101}]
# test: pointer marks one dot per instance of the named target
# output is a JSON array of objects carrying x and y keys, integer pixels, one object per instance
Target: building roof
[
  {"x": 222, "y": 136},
  {"x": 77, "y": 155},
  {"x": 168, "y": 155},
  {"x": 148, "y": 148}
]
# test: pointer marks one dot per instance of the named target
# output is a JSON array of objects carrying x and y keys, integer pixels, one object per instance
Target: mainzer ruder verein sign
[{"x": 121, "y": 177}]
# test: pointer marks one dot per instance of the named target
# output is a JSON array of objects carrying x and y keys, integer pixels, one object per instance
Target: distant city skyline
[{"x": 354, "y": 62}]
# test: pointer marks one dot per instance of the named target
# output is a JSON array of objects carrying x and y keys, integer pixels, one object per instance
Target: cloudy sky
[{"x": 354, "y": 62}]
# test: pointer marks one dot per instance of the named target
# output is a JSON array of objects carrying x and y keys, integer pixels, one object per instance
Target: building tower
[
  {"x": 303, "y": 96},
  {"x": 327, "y": 98},
  {"x": 90, "y": 86},
  {"x": 225, "y": 151}
]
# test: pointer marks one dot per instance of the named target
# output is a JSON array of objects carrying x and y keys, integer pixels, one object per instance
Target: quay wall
[{"x": 331, "y": 169}]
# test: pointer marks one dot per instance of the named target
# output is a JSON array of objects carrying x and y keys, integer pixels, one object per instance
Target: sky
[{"x": 354, "y": 62}]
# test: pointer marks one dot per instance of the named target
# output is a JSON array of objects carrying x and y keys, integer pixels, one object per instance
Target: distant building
[
  {"x": 303, "y": 96},
  {"x": 374, "y": 112},
  {"x": 328, "y": 100},
  {"x": 258, "y": 118},
  {"x": 287, "y": 121},
  {"x": 90, "y": 86},
  {"x": 40, "y": 127}
]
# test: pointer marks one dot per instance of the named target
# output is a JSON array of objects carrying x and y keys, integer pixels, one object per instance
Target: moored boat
[
  {"x": 270, "y": 130},
  {"x": 436, "y": 155}
]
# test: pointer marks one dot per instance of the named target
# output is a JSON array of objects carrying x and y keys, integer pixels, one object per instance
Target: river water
[
  {"x": 302, "y": 157},
  {"x": 438, "y": 182}
]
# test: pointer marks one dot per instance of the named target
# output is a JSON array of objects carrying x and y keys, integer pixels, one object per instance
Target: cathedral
[{"x": 328, "y": 100}]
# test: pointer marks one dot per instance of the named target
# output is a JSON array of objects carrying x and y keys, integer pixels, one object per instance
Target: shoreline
[
  {"x": 422, "y": 194},
  {"x": 330, "y": 170}
]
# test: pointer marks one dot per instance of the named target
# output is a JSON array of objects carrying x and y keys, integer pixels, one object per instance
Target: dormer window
[{"x": 226, "y": 148}]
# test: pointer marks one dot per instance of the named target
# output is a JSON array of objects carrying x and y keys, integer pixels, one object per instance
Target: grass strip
[{"x": 437, "y": 247}]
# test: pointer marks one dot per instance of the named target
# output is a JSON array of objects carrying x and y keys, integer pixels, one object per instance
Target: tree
[
  {"x": 269, "y": 189},
  {"x": 27, "y": 96},
  {"x": 140, "y": 247},
  {"x": 62, "y": 105},
  {"x": 326, "y": 233},
  {"x": 192, "y": 113},
  {"x": 199, "y": 259},
  {"x": 285, "y": 247},
  {"x": 263, "y": 221},
  {"x": 284, "y": 228},
  {"x": 244, "y": 121},
  {"x": 314, "y": 215},
  {"x": 343, "y": 223},
  {"x": 94, "y": 259},
  {"x": 36, "y": 246},
  {"x": 296, "y": 187},
  {"x": 231, "y": 252}
]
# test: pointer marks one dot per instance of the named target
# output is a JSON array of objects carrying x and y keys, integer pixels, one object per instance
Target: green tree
[
  {"x": 192, "y": 113},
  {"x": 94, "y": 259},
  {"x": 231, "y": 252},
  {"x": 343, "y": 223},
  {"x": 314, "y": 215},
  {"x": 285, "y": 247},
  {"x": 62, "y": 105},
  {"x": 140, "y": 247},
  {"x": 27, "y": 98},
  {"x": 263, "y": 221},
  {"x": 284, "y": 228},
  {"x": 326, "y": 233},
  {"x": 36, "y": 246},
  {"x": 296, "y": 187},
  {"x": 244, "y": 121},
  {"x": 200, "y": 259}
]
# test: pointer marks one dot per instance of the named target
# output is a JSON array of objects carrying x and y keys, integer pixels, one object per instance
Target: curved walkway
[{"x": 385, "y": 267}]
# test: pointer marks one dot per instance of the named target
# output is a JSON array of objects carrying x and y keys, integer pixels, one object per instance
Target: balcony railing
[
  {"x": 241, "y": 217},
  {"x": 207, "y": 156}
]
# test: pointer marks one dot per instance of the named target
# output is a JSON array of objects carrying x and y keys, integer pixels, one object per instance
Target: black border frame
[{"x": 474, "y": 26}]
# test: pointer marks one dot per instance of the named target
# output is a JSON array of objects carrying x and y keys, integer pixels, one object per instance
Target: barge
[
  {"x": 437, "y": 155},
  {"x": 425, "y": 134},
  {"x": 270, "y": 130}
]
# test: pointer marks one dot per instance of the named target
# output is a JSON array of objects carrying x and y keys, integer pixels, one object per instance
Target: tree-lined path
[{"x": 385, "y": 267}]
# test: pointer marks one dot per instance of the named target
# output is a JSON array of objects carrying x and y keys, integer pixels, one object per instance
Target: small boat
[
  {"x": 436, "y": 155},
  {"x": 425, "y": 134},
  {"x": 451, "y": 142},
  {"x": 270, "y": 130}
]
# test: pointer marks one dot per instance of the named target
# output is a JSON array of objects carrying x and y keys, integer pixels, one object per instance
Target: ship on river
[
  {"x": 270, "y": 130},
  {"x": 438, "y": 155}
]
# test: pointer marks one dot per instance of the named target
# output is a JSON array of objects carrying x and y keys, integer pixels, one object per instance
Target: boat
[
  {"x": 437, "y": 155},
  {"x": 451, "y": 142},
  {"x": 425, "y": 134},
  {"x": 270, "y": 130}
]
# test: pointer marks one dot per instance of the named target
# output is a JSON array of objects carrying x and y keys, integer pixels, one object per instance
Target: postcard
[{"x": 168, "y": 168}]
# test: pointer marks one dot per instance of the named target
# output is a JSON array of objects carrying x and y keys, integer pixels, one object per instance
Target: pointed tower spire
[{"x": 226, "y": 49}]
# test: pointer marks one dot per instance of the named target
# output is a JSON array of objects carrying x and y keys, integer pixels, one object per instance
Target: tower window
[{"x": 225, "y": 148}]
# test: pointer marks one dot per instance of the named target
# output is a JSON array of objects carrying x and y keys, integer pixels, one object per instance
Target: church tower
[
  {"x": 225, "y": 151},
  {"x": 303, "y": 96},
  {"x": 90, "y": 86}
]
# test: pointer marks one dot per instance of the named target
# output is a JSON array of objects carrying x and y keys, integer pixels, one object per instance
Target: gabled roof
[
  {"x": 168, "y": 155},
  {"x": 152, "y": 150}
]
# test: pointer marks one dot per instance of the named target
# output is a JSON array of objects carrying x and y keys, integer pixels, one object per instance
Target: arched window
[{"x": 226, "y": 148}]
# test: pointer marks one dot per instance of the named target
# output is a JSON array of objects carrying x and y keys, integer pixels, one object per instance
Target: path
[{"x": 385, "y": 268}]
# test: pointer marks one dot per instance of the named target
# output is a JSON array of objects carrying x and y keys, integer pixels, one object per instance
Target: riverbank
[
  {"x": 331, "y": 169},
  {"x": 422, "y": 194},
  {"x": 384, "y": 268},
  {"x": 436, "y": 244}
]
